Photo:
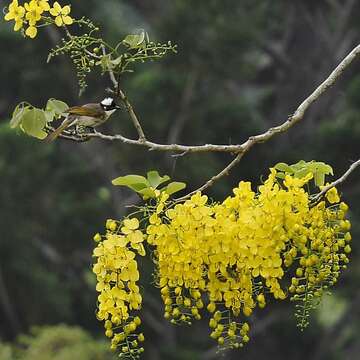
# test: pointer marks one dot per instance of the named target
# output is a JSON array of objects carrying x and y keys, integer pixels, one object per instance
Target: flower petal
[
  {"x": 57, "y": 7},
  {"x": 58, "y": 21},
  {"x": 20, "y": 12},
  {"x": 65, "y": 10},
  {"x": 13, "y": 6},
  {"x": 44, "y": 5},
  {"x": 53, "y": 12},
  {"x": 68, "y": 20},
  {"x": 18, "y": 25},
  {"x": 31, "y": 31},
  {"x": 9, "y": 16}
]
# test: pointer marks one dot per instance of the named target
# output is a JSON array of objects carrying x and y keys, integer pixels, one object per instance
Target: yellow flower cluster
[
  {"x": 226, "y": 258},
  {"x": 322, "y": 247},
  {"x": 33, "y": 12},
  {"x": 117, "y": 276},
  {"x": 236, "y": 252}
]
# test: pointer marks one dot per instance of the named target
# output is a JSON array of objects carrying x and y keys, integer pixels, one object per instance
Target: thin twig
[
  {"x": 337, "y": 182},
  {"x": 126, "y": 102},
  {"x": 133, "y": 116},
  {"x": 210, "y": 182}
]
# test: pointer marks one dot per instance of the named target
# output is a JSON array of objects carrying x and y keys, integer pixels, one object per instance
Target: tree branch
[
  {"x": 239, "y": 149},
  {"x": 210, "y": 182},
  {"x": 152, "y": 146},
  {"x": 132, "y": 114},
  {"x": 299, "y": 113}
]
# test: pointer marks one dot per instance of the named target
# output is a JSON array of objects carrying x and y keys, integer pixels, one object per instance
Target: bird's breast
[{"x": 90, "y": 121}]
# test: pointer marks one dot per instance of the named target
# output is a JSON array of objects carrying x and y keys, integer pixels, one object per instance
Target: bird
[{"x": 87, "y": 115}]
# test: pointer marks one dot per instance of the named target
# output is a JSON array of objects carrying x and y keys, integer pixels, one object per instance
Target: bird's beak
[{"x": 117, "y": 107}]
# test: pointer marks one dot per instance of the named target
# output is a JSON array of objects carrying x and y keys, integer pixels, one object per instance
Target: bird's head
[{"x": 109, "y": 104}]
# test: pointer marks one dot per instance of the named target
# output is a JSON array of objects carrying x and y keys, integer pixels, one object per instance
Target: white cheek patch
[{"x": 107, "y": 101}]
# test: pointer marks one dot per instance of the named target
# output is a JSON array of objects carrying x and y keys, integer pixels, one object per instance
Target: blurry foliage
[
  {"x": 35, "y": 210},
  {"x": 6, "y": 352},
  {"x": 331, "y": 310},
  {"x": 59, "y": 342}
]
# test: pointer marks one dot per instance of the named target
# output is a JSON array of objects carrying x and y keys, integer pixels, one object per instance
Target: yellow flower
[
  {"x": 33, "y": 13},
  {"x": 16, "y": 13},
  {"x": 61, "y": 14},
  {"x": 332, "y": 196},
  {"x": 232, "y": 252},
  {"x": 31, "y": 32},
  {"x": 43, "y": 4}
]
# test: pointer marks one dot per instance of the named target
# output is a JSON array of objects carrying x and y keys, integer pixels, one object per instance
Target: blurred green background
[{"x": 242, "y": 66}]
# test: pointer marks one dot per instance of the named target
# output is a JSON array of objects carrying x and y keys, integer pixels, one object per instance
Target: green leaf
[
  {"x": 284, "y": 168},
  {"x": 319, "y": 179},
  {"x": 33, "y": 123},
  {"x": 134, "y": 41},
  {"x": 147, "y": 193},
  {"x": 137, "y": 187},
  {"x": 56, "y": 106},
  {"x": 49, "y": 115},
  {"x": 174, "y": 187},
  {"x": 18, "y": 114},
  {"x": 130, "y": 180},
  {"x": 298, "y": 165},
  {"x": 325, "y": 168},
  {"x": 155, "y": 179},
  {"x": 302, "y": 172}
]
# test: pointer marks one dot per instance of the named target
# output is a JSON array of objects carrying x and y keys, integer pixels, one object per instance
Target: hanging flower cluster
[
  {"x": 117, "y": 276},
  {"x": 228, "y": 258},
  {"x": 34, "y": 12}
]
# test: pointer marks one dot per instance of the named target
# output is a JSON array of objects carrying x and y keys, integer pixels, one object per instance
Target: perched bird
[{"x": 88, "y": 115}]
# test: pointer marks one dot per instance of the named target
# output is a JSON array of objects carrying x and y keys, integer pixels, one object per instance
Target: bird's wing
[{"x": 86, "y": 110}]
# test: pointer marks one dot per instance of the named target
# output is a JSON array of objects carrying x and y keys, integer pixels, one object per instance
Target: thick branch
[
  {"x": 299, "y": 113},
  {"x": 337, "y": 182},
  {"x": 152, "y": 146}
]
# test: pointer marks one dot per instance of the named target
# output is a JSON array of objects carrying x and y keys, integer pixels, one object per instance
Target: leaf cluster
[
  {"x": 33, "y": 121},
  {"x": 147, "y": 187},
  {"x": 302, "y": 168}
]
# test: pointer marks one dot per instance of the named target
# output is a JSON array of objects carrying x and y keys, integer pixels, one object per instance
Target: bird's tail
[{"x": 66, "y": 123}]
